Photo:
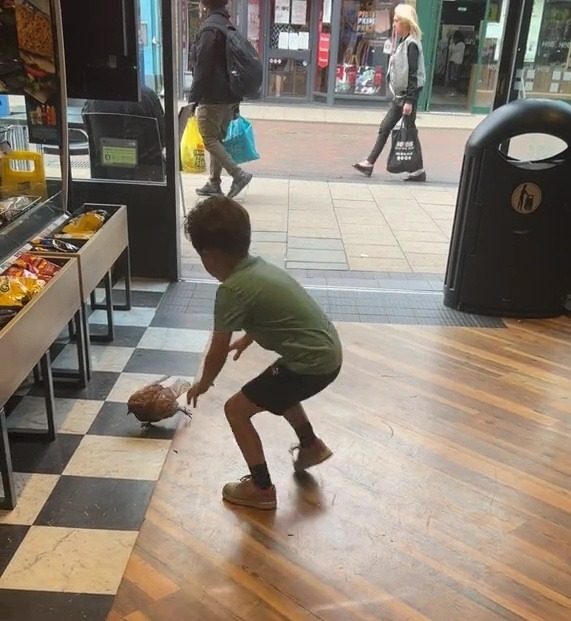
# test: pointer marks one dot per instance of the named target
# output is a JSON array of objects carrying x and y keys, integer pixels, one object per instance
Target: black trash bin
[{"x": 510, "y": 252}]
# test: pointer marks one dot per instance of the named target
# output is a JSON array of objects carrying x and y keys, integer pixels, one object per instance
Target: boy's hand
[
  {"x": 240, "y": 346},
  {"x": 196, "y": 390}
]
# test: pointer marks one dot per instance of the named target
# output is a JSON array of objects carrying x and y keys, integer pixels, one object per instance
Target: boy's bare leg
[
  {"x": 239, "y": 411},
  {"x": 256, "y": 490}
]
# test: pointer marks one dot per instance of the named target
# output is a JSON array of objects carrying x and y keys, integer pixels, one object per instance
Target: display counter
[
  {"x": 25, "y": 341},
  {"x": 26, "y": 337},
  {"x": 97, "y": 256}
]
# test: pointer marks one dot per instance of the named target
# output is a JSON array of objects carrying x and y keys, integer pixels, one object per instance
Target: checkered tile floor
[{"x": 83, "y": 498}]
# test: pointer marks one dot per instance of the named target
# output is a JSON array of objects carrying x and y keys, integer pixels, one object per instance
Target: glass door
[
  {"x": 288, "y": 49},
  {"x": 485, "y": 77}
]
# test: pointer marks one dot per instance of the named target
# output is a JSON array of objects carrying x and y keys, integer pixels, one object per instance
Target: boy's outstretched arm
[{"x": 213, "y": 364}]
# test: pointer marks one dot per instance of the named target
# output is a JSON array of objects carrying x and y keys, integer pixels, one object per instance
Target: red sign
[{"x": 323, "y": 50}]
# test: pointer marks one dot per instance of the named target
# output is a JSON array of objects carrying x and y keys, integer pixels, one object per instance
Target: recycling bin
[{"x": 510, "y": 250}]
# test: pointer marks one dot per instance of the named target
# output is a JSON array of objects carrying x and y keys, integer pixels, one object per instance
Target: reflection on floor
[{"x": 83, "y": 499}]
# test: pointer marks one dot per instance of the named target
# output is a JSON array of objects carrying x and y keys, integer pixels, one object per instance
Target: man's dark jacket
[{"x": 210, "y": 77}]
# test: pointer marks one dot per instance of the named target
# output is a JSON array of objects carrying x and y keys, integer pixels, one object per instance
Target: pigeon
[{"x": 157, "y": 401}]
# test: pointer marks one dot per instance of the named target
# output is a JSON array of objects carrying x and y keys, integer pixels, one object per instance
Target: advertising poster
[
  {"x": 282, "y": 12},
  {"x": 27, "y": 64},
  {"x": 299, "y": 12}
]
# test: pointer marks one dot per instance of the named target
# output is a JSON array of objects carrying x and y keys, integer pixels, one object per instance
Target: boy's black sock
[
  {"x": 306, "y": 435},
  {"x": 261, "y": 476}
]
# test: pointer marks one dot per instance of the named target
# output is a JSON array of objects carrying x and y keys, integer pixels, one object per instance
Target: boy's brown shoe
[
  {"x": 311, "y": 456},
  {"x": 246, "y": 494}
]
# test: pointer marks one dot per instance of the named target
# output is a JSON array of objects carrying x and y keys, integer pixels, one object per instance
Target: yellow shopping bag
[{"x": 192, "y": 149}]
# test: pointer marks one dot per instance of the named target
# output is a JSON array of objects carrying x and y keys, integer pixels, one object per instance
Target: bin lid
[{"x": 524, "y": 116}]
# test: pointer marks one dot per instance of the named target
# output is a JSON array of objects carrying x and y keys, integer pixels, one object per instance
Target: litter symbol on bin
[{"x": 526, "y": 198}]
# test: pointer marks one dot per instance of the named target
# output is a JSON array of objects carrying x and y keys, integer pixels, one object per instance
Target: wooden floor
[{"x": 448, "y": 499}]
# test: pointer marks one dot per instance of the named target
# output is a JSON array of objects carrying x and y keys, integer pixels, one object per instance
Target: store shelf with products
[
  {"x": 98, "y": 253},
  {"x": 51, "y": 262},
  {"x": 40, "y": 308}
]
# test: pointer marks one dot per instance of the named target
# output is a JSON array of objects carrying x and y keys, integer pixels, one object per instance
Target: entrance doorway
[
  {"x": 287, "y": 46},
  {"x": 456, "y": 57}
]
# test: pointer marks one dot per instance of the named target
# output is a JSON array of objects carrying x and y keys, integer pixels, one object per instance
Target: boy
[{"x": 276, "y": 312}]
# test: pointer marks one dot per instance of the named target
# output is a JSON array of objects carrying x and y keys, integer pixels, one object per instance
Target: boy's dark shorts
[{"x": 277, "y": 389}]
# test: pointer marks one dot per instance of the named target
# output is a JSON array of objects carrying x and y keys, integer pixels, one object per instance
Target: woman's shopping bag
[
  {"x": 239, "y": 141},
  {"x": 406, "y": 154},
  {"x": 192, "y": 155}
]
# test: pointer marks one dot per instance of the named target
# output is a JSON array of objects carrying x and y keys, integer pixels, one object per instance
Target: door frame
[{"x": 429, "y": 16}]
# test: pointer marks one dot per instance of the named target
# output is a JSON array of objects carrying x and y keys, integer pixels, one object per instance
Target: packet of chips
[
  {"x": 82, "y": 236},
  {"x": 88, "y": 222},
  {"x": 33, "y": 285},
  {"x": 13, "y": 292},
  {"x": 49, "y": 244},
  {"x": 19, "y": 272},
  {"x": 45, "y": 269}
]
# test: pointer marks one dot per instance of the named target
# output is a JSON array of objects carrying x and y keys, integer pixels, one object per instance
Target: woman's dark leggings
[{"x": 392, "y": 117}]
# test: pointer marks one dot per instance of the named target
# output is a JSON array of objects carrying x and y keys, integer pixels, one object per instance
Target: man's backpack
[{"x": 245, "y": 71}]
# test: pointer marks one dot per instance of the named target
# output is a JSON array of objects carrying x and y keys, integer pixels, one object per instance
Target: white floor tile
[
  {"x": 66, "y": 560},
  {"x": 119, "y": 458}
]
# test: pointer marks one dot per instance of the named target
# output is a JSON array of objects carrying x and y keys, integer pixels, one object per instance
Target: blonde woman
[{"x": 406, "y": 78}]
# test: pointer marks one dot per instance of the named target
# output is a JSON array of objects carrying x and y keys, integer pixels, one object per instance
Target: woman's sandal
[{"x": 364, "y": 170}]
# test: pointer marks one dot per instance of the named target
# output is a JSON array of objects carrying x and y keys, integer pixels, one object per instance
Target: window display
[
  {"x": 547, "y": 69},
  {"x": 364, "y": 47},
  {"x": 289, "y": 44}
]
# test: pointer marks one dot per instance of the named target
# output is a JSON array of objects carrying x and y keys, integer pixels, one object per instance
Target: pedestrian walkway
[
  {"x": 353, "y": 115},
  {"x": 364, "y": 227}
]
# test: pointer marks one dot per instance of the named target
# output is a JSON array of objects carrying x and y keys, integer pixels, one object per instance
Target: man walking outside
[{"x": 216, "y": 103}]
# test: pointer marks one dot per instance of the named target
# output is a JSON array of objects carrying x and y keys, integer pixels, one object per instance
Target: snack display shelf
[
  {"x": 25, "y": 342},
  {"x": 97, "y": 256}
]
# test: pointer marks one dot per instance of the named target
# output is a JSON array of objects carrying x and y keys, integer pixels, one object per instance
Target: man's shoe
[
  {"x": 246, "y": 494},
  {"x": 210, "y": 189},
  {"x": 239, "y": 183}
]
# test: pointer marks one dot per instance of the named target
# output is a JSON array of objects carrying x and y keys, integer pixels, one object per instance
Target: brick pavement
[{"x": 325, "y": 151}]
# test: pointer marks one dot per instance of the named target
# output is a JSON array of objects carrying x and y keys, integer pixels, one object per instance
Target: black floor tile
[
  {"x": 36, "y": 605},
  {"x": 97, "y": 389},
  {"x": 44, "y": 457},
  {"x": 164, "y": 362},
  {"x": 144, "y": 299},
  {"x": 182, "y": 320},
  {"x": 113, "y": 420},
  {"x": 125, "y": 336},
  {"x": 10, "y": 539},
  {"x": 103, "y": 504}
]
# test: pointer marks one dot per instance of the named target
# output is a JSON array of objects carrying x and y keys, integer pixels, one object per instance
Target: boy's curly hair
[{"x": 219, "y": 223}]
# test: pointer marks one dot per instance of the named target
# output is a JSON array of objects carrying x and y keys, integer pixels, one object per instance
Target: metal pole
[
  {"x": 65, "y": 161},
  {"x": 513, "y": 42}
]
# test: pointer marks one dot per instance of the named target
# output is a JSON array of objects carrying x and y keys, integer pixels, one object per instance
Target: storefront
[{"x": 336, "y": 52}]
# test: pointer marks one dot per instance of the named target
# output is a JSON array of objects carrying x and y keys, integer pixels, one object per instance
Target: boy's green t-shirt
[{"x": 278, "y": 313}]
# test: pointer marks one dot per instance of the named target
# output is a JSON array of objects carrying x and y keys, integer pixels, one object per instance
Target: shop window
[
  {"x": 364, "y": 45},
  {"x": 289, "y": 45},
  {"x": 547, "y": 67}
]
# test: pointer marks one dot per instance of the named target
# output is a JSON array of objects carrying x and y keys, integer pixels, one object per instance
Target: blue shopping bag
[{"x": 239, "y": 141}]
